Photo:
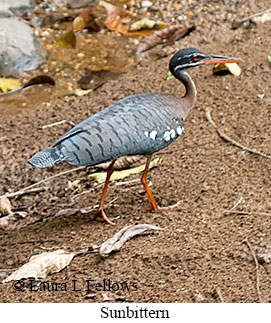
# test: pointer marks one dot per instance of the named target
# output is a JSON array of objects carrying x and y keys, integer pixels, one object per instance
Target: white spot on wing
[
  {"x": 146, "y": 133},
  {"x": 153, "y": 134},
  {"x": 167, "y": 136},
  {"x": 179, "y": 130},
  {"x": 172, "y": 133}
]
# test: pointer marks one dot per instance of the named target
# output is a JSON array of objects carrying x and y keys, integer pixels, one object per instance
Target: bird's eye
[{"x": 194, "y": 58}]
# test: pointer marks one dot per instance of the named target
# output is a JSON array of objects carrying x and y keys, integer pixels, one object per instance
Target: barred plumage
[{"x": 137, "y": 125}]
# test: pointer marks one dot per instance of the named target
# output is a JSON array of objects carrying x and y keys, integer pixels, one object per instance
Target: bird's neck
[{"x": 189, "y": 99}]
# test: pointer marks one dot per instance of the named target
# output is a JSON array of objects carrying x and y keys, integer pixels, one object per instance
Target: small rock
[
  {"x": 146, "y": 4},
  {"x": 19, "y": 48},
  {"x": 18, "y": 8}
]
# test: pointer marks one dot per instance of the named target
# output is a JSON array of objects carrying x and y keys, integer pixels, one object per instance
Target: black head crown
[
  {"x": 192, "y": 57},
  {"x": 185, "y": 58}
]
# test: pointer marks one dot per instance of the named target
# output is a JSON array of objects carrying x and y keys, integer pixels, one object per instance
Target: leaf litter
[
  {"x": 117, "y": 241},
  {"x": 41, "y": 265}
]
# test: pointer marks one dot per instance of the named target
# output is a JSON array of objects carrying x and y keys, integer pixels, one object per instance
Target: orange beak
[{"x": 215, "y": 59}]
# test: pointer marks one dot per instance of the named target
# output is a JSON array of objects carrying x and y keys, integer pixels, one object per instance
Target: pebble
[
  {"x": 146, "y": 4},
  {"x": 45, "y": 33}
]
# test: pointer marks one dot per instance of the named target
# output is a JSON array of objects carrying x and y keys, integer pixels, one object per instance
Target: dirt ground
[{"x": 204, "y": 257}]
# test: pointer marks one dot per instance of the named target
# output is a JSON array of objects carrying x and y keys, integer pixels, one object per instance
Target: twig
[
  {"x": 218, "y": 292},
  {"x": 23, "y": 192},
  {"x": 170, "y": 207},
  {"x": 53, "y": 124},
  {"x": 247, "y": 213},
  {"x": 238, "y": 23},
  {"x": 257, "y": 269},
  {"x": 228, "y": 139},
  {"x": 235, "y": 205},
  {"x": 45, "y": 180}
]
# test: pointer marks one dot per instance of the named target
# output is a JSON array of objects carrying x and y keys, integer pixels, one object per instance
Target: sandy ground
[{"x": 204, "y": 257}]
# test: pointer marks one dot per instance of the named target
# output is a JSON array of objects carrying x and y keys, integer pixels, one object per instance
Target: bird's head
[{"x": 192, "y": 57}]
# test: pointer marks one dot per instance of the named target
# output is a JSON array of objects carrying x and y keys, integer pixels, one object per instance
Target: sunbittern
[{"x": 137, "y": 125}]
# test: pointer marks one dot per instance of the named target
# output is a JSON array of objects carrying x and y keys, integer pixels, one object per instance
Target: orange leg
[
  {"x": 109, "y": 172},
  {"x": 144, "y": 182}
]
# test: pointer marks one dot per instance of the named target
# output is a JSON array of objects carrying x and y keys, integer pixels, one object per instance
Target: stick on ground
[
  {"x": 257, "y": 270},
  {"x": 228, "y": 139}
]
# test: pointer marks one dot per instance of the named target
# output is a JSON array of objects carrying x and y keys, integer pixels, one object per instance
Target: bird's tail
[{"x": 45, "y": 158}]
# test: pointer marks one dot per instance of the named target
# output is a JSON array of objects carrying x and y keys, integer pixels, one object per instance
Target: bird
[{"x": 140, "y": 124}]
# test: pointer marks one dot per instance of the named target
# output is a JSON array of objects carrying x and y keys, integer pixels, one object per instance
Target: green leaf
[
  {"x": 67, "y": 39},
  {"x": 260, "y": 95},
  {"x": 169, "y": 75}
]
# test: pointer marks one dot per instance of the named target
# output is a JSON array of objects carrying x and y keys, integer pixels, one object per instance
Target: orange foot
[{"x": 104, "y": 216}]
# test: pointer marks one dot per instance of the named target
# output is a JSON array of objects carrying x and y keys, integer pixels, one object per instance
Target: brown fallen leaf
[
  {"x": 116, "y": 17},
  {"x": 78, "y": 24},
  {"x": 114, "y": 23},
  {"x": 5, "y": 206},
  {"x": 116, "y": 11},
  {"x": 166, "y": 35},
  {"x": 126, "y": 233},
  {"x": 86, "y": 20},
  {"x": 40, "y": 79},
  {"x": 40, "y": 266}
]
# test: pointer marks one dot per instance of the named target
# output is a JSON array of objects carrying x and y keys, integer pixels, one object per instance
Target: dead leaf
[
  {"x": 116, "y": 11},
  {"x": 67, "y": 39},
  {"x": 40, "y": 79},
  {"x": 86, "y": 20},
  {"x": 143, "y": 23},
  {"x": 101, "y": 176},
  {"x": 5, "y": 206},
  {"x": 116, "y": 17},
  {"x": 166, "y": 35},
  {"x": 7, "y": 84},
  {"x": 90, "y": 20},
  {"x": 114, "y": 23},
  {"x": 78, "y": 24},
  {"x": 225, "y": 68},
  {"x": 40, "y": 266},
  {"x": 126, "y": 233}
]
